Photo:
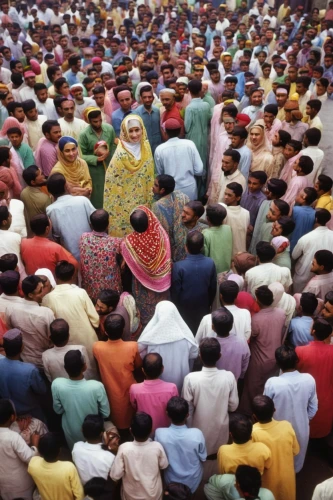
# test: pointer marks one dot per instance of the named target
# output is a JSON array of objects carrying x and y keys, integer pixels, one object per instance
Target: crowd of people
[{"x": 166, "y": 239}]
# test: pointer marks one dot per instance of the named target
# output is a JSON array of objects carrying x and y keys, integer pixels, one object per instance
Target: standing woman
[
  {"x": 130, "y": 176},
  {"x": 74, "y": 169},
  {"x": 262, "y": 158}
]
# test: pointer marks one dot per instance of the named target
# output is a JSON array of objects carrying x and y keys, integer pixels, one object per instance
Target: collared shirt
[
  {"x": 252, "y": 202},
  {"x": 92, "y": 461},
  {"x": 73, "y": 78},
  {"x": 117, "y": 118},
  {"x": 237, "y": 176},
  {"x": 39, "y": 252},
  {"x": 186, "y": 452},
  {"x": 245, "y": 161},
  {"x": 152, "y": 123}
]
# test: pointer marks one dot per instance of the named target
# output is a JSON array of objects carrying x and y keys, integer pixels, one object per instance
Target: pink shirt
[{"x": 152, "y": 396}]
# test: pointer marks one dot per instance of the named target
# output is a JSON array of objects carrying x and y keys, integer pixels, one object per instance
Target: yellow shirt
[
  {"x": 325, "y": 201},
  {"x": 230, "y": 456},
  {"x": 292, "y": 89},
  {"x": 281, "y": 439},
  {"x": 56, "y": 481}
]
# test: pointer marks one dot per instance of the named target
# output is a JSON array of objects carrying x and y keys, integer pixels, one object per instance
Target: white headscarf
[
  {"x": 166, "y": 326},
  {"x": 237, "y": 279},
  {"x": 46, "y": 272},
  {"x": 133, "y": 147}
]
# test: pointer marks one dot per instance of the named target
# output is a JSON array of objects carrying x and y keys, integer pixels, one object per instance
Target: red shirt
[{"x": 38, "y": 252}]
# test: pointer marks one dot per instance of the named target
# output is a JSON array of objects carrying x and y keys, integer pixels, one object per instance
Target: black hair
[
  {"x": 4, "y": 214},
  {"x": 222, "y": 320},
  {"x": 74, "y": 363},
  {"x": 64, "y": 270},
  {"x": 233, "y": 153},
  {"x": 166, "y": 182},
  {"x": 313, "y": 136},
  {"x": 263, "y": 408},
  {"x": 59, "y": 331},
  {"x": 14, "y": 130},
  {"x": 56, "y": 184},
  {"x": 73, "y": 59},
  {"x": 305, "y": 80},
  {"x": 231, "y": 109},
  {"x": 177, "y": 409},
  {"x": 30, "y": 283},
  {"x": 141, "y": 425},
  {"x": 152, "y": 365},
  {"x": 324, "y": 258},
  {"x": 6, "y": 410},
  {"x": 240, "y": 427},
  {"x": 146, "y": 88},
  {"x": 288, "y": 225},
  {"x": 322, "y": 329},
  {"x": 271, "y": 108},
  {"x": 285, "y": 137},
  {"x": 49, "y": 447},
  {"x": 12, "y": 347},
  {"x": 39, "y": 223},
  {"x": 240, "y": 132},
  {"x": 48, "y": 124},
  {"x": 216, "y": 214},
  {"x": 109, "y": 297},
  {"x": 114, "y": 326},
  {"x": 39, "y": 86},
  {"x": 99, "y": 220},
  {"x": 314, "y": 104},
  {"x": 210, "y": 351},
  {"x": 325, "y": 183},
  {"x": 195, "y": 86},
  {"x": 309, "y": 303},
  {"x": 8, "y": 262},
  {"x": 11, "y": 106},
  {"x": 259, "y": 175},
  {"x": 286, "y": 358},
  {"x": 306, "y": 164},
  {"x": 95, "y": 488},
  {"x": 4, "y": 154},
  {"x": 194, "y": 242},
  {"x": 197, "y": 207},
  {"x": 249, "y": 480},
  {"x": 264, "y": 295},
  {"x": 310, "y": 195},
  {"x": 278, "y": 187},
  {"x": 283, "y": 206},
  {"x": 322, "y": 216},
  {"x": 59, "y": 82},
  {"x": 229, "y": 290},
  {"x": 236, "y": 188},
  {"x": 139, "y": 220},
  {"x": 92, "y": 427},
  {"x": 51, "y": 71},
  {"x": 9, "y": 285},
  {"x": 296, "y": 145}
]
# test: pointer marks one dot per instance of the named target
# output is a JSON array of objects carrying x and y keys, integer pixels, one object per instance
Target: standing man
[
  {"x": 34, "y": 199},
  {"x": 70, "y": 125},
  {"x": 97, "y": 164},
  {"x": 124, "y": 97},
  {"x": 239, "y": 136},
  {"x": 197, "y": 119},
  {"x": 33, "y": 122},
  {"x": 74, "y": 75},
  {"x": 46, "y": 150},
  {"x": 150, "y": 116},
  {"x": 180, "y": 159}
]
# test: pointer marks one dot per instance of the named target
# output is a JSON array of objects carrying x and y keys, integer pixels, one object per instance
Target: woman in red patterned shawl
[{"x": 146, "y": 252}]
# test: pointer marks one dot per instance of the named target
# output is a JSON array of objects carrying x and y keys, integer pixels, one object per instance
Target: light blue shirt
[
  {"x": 70, "y": 216},
  {"x": 117, "y": 118},
  {"x": 152, "y": 123},
  {"x": 73, "y": 78},
  {"x": 186, "y": 452},
  {"x": 299, "y": 330},
  {"x": 245, "y": 161}
]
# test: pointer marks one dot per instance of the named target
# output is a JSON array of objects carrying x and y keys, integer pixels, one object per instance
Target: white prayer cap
[
  {"x": 182, "y": 79},
  {"x": 167, "y": 91}
]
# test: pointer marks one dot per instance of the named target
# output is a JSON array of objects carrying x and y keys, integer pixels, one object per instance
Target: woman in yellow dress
[
  {"x": 130, "y": 176},
  {"x": 74, "y": 169}
]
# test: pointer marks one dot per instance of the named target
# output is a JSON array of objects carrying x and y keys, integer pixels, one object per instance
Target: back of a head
[
  {"x": 99, "y": 220},
  {"x": 322, "y": 216},
  {"x": 283, "y": 206},
  {"x": 311, "y": 195},
  {"x": 6, "y": 410},
  {"x": 49, "y": 447},
  {"x": 309, "y": 303},
  {"x": 287, "y": 224},
  {"x": 29, "y": 174},
  {"x": 74, "y": 363},
  {"x": 197, "y": 207},
  {"x": 177, "y": 409},
  {"x": 322, "y": 329},
  {"x": 166, "y": 182},
  {"x": 8, "y": 262},
  {"x": 39, "y": 223},
  {"x": 264, "y": 295},
  {"x": 92, "y": 427},
  {"x": 96, "y": 489},
  {"x": 306, "y": 164},
  {"x": 324, "y": 258},
  {"x": 195, "y": 86},
  {"x": 210, "y": 351},
  {"x": 109, "y": 297},
  {"x": 229, "y": 291},
  {"x": 59, "y": 331},
  {"x": 249, "y": 480},
  {"x": 277, "y": 187},
  {"x": 56, "y": 185},
  {"x": 142, "y": 425},
  {"x": 9, "y": 282},
  {"x": 114, "y": 326},
  {"x": 325, "y": 183},
  {"x": 240, "y": 427},
  {"x": 139, "y": 221},
  {"x": 286, "y": 358},
  {"x": 285, "y": 137},
  {"x": 152, "y": 365},
  {"x": 223, "y": 321},
  {"x": 313, "y": 136},
  {"x": 12, "y": 342},
  {"x": 64, "y": 271},
  {"x": 265, "y": 252},
  {"x": 216, "y": 214},
  {"x": 194, "y": 242},
  {"x": 263, "y": 408},
  {"x": 177, "y": 491}
]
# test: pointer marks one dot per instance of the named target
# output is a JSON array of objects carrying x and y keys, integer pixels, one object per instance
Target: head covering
[
  {"x": 96, "y": 60},
  {"x": 138, "y": 88},
  {"x": 88, "y": 110},
  {"x": 10, "y": 178},
  {"x": 282, "y": 90},
  {"x": 13, "y": 334},
  {"x": 9, "y": 278},
  {"x": 172, "y": 124},
  {"x": 35, "y": 66},
  {"x": 283, "y": 300},
  {"x": 182, "y": 79},
  {"x": 11, "y": 122},
  {"x": 166, "y": 326},
  {"x": 237, "y": 279},
  {"x": 244, "y": 261},
  {"x": 148, "y": 254},
  {"x": 28, "y": 74},
  {"x": 46, "y": 272},
  {"x": 132, "y": 147},
  {"x": 120, "y": 69},
  {"x": 242, "y": 118},
  {"x": 75, "y": 172},
  {"x": 296, "y": 114},
  {"x": 278, "y": 241},
  {"x": 290, "y": 105},
  {"x": 167, "y": 91},
  {"x": 66, "y": 140},
  {"x": 77, "y": 85}
]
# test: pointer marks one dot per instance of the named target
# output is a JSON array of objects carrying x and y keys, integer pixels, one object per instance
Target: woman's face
[
  {"x": 135, "y": 134},
  {"x": 255, "y": 136},
  {"x": 70, "y": 152}
]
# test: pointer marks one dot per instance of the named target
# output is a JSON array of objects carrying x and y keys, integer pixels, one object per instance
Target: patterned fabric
[
  {"x": 128, "y": 182},
  {"x": 169, "y": 210},
  {"x": 147, "y": 254},
  {"x": 146, "y": 300},
  {"x": 99, "y": 267}
]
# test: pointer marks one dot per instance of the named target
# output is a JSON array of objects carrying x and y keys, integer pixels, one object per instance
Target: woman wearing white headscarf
[
  {"x": 282, "y": 248},
  {"x": 283, "y": 300},
  {"x": 168, "y": 334}
]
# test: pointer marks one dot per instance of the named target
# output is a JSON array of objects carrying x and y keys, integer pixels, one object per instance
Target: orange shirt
[
  {"x": 117, "y": 361},
  {"x": 39, "y": 252}
]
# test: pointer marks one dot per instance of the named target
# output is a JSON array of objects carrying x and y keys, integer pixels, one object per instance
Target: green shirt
[
  {"x": 222, "y": 487},
  {"x": 26, "y": 155},
  {"x": 218, "y": 246}
]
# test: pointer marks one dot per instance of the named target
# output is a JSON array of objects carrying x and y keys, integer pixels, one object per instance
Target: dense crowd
[{"x": 166, "y": 239}]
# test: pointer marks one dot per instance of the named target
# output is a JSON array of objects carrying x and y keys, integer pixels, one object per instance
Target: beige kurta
[
  {"x": 74, "y": 305},
  {"x": 35, "y": 130},
  {"x": 238, "y": 219},
  {"x": 74, "y": 128},
  {"x": 211, "y": 394}
]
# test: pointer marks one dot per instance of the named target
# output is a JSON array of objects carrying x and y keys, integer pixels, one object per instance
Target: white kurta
[
  {"x": 295, "y": 399},
  {"x": 317, "y": 156},
  {"x": 74, "y": 128},
  {"x": 324, "y": 490},
  {"x": 265, "y": 274},
  {"x": 211, "y": 394},
  {"x": 11, "y": 243},
  {"x": 241, "y": 326},
  {"x": 18, "y": 225},
  {"x": 35, "y": 130},
  {"x": 320, "y": 238}
]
